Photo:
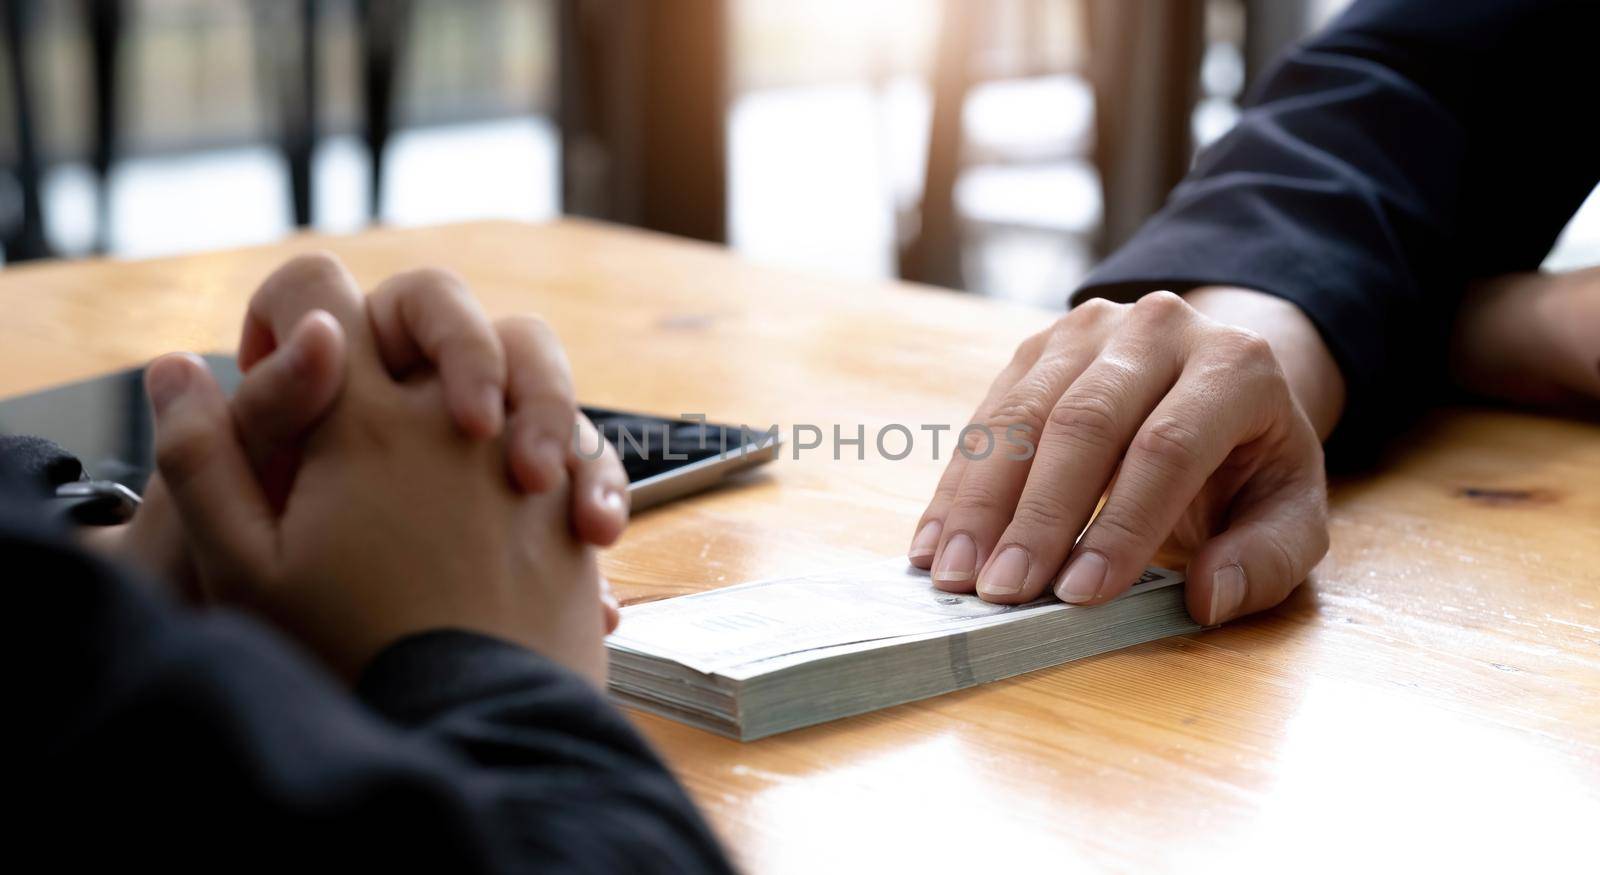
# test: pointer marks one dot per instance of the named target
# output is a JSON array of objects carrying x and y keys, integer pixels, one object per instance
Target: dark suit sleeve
[
  {"x": 1408, "y": 148},
  {"x": 156, "y": 735},
  {"x": 543, "y": 750}
]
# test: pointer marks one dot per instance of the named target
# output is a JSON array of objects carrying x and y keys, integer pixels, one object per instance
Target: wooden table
[{"x": 1432, "y": 694}]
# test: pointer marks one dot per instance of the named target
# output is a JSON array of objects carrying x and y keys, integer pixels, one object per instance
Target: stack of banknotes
[{"x": 761, "y": 658}]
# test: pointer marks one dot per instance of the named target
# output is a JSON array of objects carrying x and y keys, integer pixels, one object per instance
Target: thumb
[
  {"x": 1271, "y": 544},
  {"x": 229, "y": 524}
]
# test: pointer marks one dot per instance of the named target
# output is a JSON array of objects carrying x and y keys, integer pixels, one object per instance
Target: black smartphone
[{"x": 105, "y": 422}]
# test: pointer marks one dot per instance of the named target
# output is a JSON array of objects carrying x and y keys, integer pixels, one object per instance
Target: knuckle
[
  {"x": 1108, "y": 382},
  {"x": 525, "y": 326},
  {"x": 308, "y": 269},
  {"x": 1029, "y": 350},
  {"x": 1092, "y": 310},
  {"x": 431, "y": 294},
  {"x": 1244, "y": 361},
  {"x": 1041, "y": 513},
  {"x": 1022, "y": 407},
  {"x": 306, "y": 281},
  {"x": 1242, "y": 346},
  {"x": 1089, "y": 417},
  {"x": 1116, "y": 529},
  {"x": 1161, "y": 308},
  {"x": 1170, "y": 444},
  {"x": 433, "y": 280},
  {"x": 980, "y": 496}
]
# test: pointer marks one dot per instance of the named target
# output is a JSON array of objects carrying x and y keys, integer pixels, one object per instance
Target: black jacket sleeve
[
  {"x": 153, "y": 734},
  {"x": 1410, "y": 147}
]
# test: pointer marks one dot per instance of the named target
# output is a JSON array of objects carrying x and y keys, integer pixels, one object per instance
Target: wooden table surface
[{"x": 1430, "y": 696}]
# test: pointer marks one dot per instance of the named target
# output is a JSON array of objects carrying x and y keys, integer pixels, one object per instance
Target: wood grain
[{"x": 1430, "y": 697}]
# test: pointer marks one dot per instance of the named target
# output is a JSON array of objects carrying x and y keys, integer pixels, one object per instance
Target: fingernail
[
  {"x": 959, "y": 560},
  {"x": 1084, "y": 579},
  {"x": 926, "y": 541},
  {"x": 1227, "y": 592},
  {"x": 1006, "y": 574},
  {"x": 613, "y": 501},
  {"x": 167, "y": 380}
]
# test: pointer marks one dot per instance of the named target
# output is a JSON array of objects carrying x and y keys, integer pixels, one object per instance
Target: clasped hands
[{"x": 392, "y": 463}]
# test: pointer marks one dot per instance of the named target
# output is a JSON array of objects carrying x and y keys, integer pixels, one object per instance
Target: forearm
[
  {"x": 1364, "y": 183},
  {"x": 1309, "y": 368}
]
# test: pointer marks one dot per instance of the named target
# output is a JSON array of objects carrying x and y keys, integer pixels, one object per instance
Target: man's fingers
[
  {"x": 599, "y": 487},
  {"x": 996, "y": 470},
  {"x": 610, "y": 608},
  {"x": 541, "y": 401},
  {"x": 930, "y": 528},
  {"x": 205, "y": 469},
  {"x": 540, "y": 391},
  {"x": 315, "y": 281},
  {"x": 289, "y": 389},
  {"x": 1269, "y": 548},
  {"x": 1086, "y": 435},
  {"x": 925, "y": 541},
  {"x": 987, "y": 498},
  {"x": 1226, "y": 399},
  {"x": 428, "y": 318}
]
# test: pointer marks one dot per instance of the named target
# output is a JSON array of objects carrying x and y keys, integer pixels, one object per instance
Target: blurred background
[{"x": 997, "y": 146}]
